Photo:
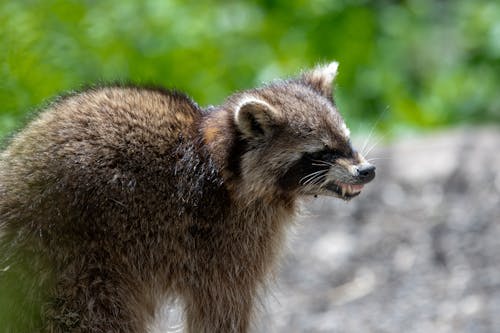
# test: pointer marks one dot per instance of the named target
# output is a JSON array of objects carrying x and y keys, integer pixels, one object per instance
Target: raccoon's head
[{"x": 292, "y": 140}]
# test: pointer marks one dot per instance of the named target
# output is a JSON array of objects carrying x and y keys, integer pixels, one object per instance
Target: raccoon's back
[
  {"x": 93, "y": 156},
  {"x": 95, "y": 127}
]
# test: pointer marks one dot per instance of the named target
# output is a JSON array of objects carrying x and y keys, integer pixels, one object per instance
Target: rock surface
[{"x": 418, "y": 251}]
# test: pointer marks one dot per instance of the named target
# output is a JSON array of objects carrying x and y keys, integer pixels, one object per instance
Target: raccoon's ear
[
  {"x": 321, "y": 78},
  {"x": 254, "y": 118}
]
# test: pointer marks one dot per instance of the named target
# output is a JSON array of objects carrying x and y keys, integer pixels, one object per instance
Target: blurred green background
[{"x": 405, "y": 65}]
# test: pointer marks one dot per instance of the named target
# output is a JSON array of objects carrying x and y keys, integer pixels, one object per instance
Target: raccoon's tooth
[
  {"x": 357, "y": 188},
  {"x": 343, "y": 190}
]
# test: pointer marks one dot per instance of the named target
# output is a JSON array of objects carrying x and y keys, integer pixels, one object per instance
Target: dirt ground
[{"x": 418, "y": 251}]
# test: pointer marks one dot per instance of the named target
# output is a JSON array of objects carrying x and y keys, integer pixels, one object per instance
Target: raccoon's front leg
[{"x": 221, "y": 308}]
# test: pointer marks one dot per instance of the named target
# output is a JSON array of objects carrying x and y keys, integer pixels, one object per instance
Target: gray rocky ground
[{"x": 418, "y": 251}]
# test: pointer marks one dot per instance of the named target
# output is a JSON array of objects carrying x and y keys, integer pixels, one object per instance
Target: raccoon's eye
[{"x": 326, "y": 155}]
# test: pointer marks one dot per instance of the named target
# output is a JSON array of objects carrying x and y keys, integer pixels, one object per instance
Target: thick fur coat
[{"x": 116, "y": 197}]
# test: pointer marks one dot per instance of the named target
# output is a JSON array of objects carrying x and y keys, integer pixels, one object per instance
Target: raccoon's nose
[{"x": 366, "y": 172}]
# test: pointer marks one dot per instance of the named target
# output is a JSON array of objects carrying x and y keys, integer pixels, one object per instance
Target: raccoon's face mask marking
[{"x": 340, "y": 173}]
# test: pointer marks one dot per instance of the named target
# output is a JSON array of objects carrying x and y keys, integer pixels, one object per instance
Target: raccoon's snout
[{"x": 366, "y": 172}]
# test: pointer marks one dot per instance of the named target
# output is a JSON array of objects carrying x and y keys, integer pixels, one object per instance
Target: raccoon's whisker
[
  {"x": 304, "y": 179},
  {"x": 372, "y": 129},
  {"x": 373, "y": 146},
  {"x": 317, "y": 180},
  {"x": 323, "y": 162},
  {"x": 314, "y": 180},
  {"x": 378, "y": 158},
  {"x": 367, "y": 139},
  {"x": 312, "y": 176}
]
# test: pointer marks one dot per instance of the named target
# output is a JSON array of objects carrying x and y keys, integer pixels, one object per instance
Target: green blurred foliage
[
  {"x": 404, "y": 65},
  {"x": 410, "y": 64}
]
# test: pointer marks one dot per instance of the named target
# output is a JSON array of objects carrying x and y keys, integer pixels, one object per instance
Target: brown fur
[{"x": 118, "y": 196}]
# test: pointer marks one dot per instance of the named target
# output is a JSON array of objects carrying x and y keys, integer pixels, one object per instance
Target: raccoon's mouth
[{"x": 344, "y": 190}]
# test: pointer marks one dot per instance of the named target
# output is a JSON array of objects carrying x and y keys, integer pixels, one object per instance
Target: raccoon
[{"x": 117, "y": 197}]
